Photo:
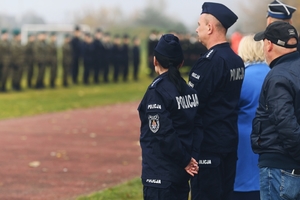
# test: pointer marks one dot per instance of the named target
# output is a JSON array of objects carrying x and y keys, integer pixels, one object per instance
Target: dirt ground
[{"x": 60, "y": 156}]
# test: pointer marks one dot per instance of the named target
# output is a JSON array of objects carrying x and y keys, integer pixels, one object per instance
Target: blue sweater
[{"x": 247, "y": 172}]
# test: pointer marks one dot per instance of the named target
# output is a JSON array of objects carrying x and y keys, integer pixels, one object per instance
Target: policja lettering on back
[{"x": 187, "y": 101}]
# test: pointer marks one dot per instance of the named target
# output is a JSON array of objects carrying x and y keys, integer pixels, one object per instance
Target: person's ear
[
  {"x": 270, "y": 46},
  {"x": 155, "y": 62}
]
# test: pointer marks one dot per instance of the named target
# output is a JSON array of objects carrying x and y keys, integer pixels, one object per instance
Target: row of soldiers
[
  {"x": 100, "y": 51},
  {"x": 15, "y": 59},
  {"x": 97, "y": 53}
]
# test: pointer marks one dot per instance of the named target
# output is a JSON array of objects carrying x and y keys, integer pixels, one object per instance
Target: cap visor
[{"x": 259, "y": 36}]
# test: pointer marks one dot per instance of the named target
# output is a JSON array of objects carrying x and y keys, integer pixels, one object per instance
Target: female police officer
[{"x": 167, "y": 113}]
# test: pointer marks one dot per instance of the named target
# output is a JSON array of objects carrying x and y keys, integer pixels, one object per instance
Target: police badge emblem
[{"x": 153, "y": 123}]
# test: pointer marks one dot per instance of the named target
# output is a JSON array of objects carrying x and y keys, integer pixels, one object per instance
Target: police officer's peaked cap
[
  {"x": 169, "y": 46},
  {"x": 279, "y": 10},
  {"x": 16, "y": 32},
  {"x": 225, "y": 16}
]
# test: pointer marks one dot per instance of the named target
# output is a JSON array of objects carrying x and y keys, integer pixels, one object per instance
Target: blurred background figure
[
  {"x": 100, "y": 54},
  {"x": 246, "y": 185},
  {"x": 88, "y": 57},
  {"x": 18, "y": 58},
  {"x": 52, "y": 59},
  {"x": 235, "y": 40},
  {"x": 40, "y": 53},
  {"x": 29, "y": 59},
  {"x": 136, "y": 57},
  {"x": 107, "y": 58},
  {"x": 76, "y": 53},
  {"x": 66, "y": 59},
  {"x": 125, "y": 57},
  {"x": 117, "y": 57},
  {"x": 5, "y": 62},
  {"x": 152, "y": 42}
]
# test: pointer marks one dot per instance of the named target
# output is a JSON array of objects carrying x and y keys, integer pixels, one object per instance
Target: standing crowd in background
[{"x": 99, "y": 53}]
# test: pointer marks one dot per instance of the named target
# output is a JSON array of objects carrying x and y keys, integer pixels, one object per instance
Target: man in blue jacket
[{"x": 276, "y": 127}]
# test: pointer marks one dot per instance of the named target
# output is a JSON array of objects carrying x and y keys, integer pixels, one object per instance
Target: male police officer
[
  {"x": 277, "y": 11},
  {"x": 217, "y": 76},
  {"x": 76, "y": 45}
]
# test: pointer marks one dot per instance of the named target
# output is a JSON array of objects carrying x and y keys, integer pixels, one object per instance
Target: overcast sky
[{"x": 62, "y": 11}]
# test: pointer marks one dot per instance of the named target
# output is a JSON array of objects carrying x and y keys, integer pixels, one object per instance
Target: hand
[{"x": 192, "y": 168}]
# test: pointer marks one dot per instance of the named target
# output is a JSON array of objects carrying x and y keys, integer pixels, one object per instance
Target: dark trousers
[
  {"x": 135, "y": 70},
  {"x": 105, "y": 71},
  {"x": 116, "y": 71},
  {"x": 246, "y": 195},
  {"x": 96, "y": 72},
  {"x": 40, "y": 76},
  {"x": 75, "y": 69},
  {"x": 125, "y": 69},
  {"x": 66, "y": 71},
  {"x": 215, "y": 181},
  {"x": 30, "y": 69},
  {"x": 86, "y": 72},
  {"x": 172, "y": 192}
]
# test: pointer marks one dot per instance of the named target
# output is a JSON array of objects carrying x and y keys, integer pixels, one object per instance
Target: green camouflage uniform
[
  {"x": 66, "y": 62},
  {"x": 5, "y": 56},
  {"x": 17, "y": 61},
  {"x": 40, "y": 56},
  {"x": 29, "y": 60},
  {"x": 52, "y": 62}
]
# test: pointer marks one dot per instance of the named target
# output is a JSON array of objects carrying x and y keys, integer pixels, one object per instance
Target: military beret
[
  {"x": 98, "y": 30},
  {"x": 16, "y": 32},
  {"x": 169, "y": 46},
  {"x": 77, "y": 28},
  {"x": 125, "y": 36},
  {"x": 4, "y": 31},
  {"x": 225, "y": 16},
  {"x": 278, "y": 10}
]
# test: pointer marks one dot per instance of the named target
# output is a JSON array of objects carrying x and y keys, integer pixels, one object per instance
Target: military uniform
[
  {"x": 52, "y": 61},
  {"x": 40, "y": 53},
  {"x": 29, "y": 60},
  {"x": 76, "y": 45},
  {"x": 17, "y": 61},
  {"x": 5, "y": 55},
  {"x": 117, "y": 58},
  {"x": 88, "y": 57},
  {"x": 66, "y": 61},
  {"x": 136, "y": 58}
]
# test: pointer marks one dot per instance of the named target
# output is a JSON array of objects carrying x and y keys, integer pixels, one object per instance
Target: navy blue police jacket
[
  {"x": 167, "y": 132},
  {"x": 217, "y": 76}
]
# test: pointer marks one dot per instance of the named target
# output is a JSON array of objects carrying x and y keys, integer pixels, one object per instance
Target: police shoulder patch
[
  {"x": 209, "y": 55},
  {"x": 154, "y": 123},
  {"x": 155, "y": 82}
]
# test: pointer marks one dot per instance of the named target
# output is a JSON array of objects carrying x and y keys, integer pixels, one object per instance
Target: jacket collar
[{"x": 284, "y": 58}]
